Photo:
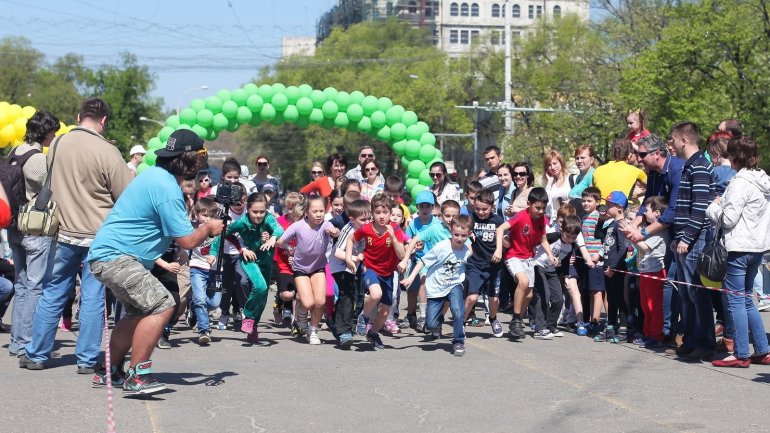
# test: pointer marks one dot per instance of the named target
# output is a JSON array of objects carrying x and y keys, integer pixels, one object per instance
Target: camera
[{"x": 230, "y": 193}]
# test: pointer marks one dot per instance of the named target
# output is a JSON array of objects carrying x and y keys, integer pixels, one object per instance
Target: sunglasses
[
  {"x": 203, "y": 152},
  {"x": 366, "y": 155},
  {"x": 261, "y": 164},
  {"x": 643, "y": 154},
  {"x": 204, "y": 180},
  {"x": 370, "y": 169},
  {"x": 316, "y": 172},
  {"x": 520, "y": 174},
  {"x": 436, "y": 175}
]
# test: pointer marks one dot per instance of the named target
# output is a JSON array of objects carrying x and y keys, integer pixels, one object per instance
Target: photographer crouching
[{"x": 146, "y": 218}]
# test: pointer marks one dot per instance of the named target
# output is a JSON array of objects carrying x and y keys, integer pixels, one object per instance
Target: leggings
[{"x": 254, "y": 278}]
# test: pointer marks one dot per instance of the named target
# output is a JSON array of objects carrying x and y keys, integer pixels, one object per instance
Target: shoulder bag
[
  {"x": 712, "y": 262},
  {"x": 41, "y": 218}
]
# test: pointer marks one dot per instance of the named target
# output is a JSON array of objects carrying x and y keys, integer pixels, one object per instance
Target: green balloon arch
[{"x": 303, "y": 106}]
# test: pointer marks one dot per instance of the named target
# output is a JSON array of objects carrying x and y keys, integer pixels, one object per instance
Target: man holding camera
[{"x": 151, "y": 211}]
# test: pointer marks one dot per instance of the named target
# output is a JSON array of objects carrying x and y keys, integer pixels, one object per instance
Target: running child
[
  {"x": 233, "y": 295},
  {"x": 203, "y": 300},
  {"x": 283, "y": 306},
  {"x": 397, "y": 217}
]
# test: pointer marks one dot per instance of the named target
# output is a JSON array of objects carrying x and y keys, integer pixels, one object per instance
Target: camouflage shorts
[{"x": 139, "y": 291}]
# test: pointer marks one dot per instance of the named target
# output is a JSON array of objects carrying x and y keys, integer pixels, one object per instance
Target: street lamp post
[
  {"x": 191, "y": 89},
  {"x": 158, "y": 122}
]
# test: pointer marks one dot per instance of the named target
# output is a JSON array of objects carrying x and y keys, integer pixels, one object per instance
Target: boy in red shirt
[
  {"x": 384, "y": 248},
  {"x": 527, "y": 231}
]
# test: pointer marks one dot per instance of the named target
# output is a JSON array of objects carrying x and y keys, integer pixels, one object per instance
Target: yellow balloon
[
  {"x": 45, "y": 150},
  {"x": 4, "y": 105},
  {"x": 20, "y": 125},
  {"x": 4, "y": 117},
  {"x": 28, "y": 111},
  {"x": 709, "y": 283},
  {"x": 7, "y": 134},
  {"x": 14, "y": 111}
]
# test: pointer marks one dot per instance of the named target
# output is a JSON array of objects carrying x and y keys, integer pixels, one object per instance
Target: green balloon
[
  {"x": 327, "y": 124},
  {"x": 220, "y": 122},
  {"x": 394, "y": 113},
  {"x": 355, "y": 112},
  {"x": 341, "y": 121},
  {"x": 239, "y": 96},
  {"x": 233, "y": 125},
  {"x": 413, "y": 132},
  {"x": 188, "y": 116},
  {"x": 255, "y": 120},
  {"x": 428, "y": 138},
  {"x": 154, "y": 143},
  {"x": 410, "y": 183},
  {"x": 268, "y": 113},
  {"x": 404, "y": 162},
  {"x": 305, "y": 90},
  {"x": 413, "y": 149},
  {"x": 417, "y": 189},
  {"x": 409, "y": 118},
  {"x": 201, "y": 131},
  {"x": 352, "y": 126},
  {"x": 141, "y": 167},
  {"x": 251, "y": 88},
  {"x": 224, "y": 95},
  {"x": 427, "y": 153},
  {"x": 425, "y": 178},
  {"x": 384, "y": 104},
  {"x": 164, "y": 133},
  {"x": 439, "y": 155},
  {"x": 330, "y": 109},
  {"x": 172, "y": 121},
  {"x": 292, "y": 93},
  {"x": 343, "y": 100},
  {"x": 330, "y": 93},
  {"x": 304, "y": 106},
  {"x": 214, "y": 104},
  {"x": 423, "y": 127},
  {"x": 316, "y": 116},
  {"x": 398, "y": 131},
  {"x": 318, "y": 98},
  {"x": 399, "y": 147},
  {"x": 369, "y": 104},
  {"x": 197, "y": 104},
  {"x": 212, "y": 136},
  {"x": 302, "y": 123},
  {"x": 280, "y": 102},
  {"x": 266, "y": 92},
  {"x": 278, "y": 120},
  {"x": 378, "y": 119},
  {"x": 229, "y": 109},
  {"x": 356, "y": 97},
  {"x": 205, "y": 118},
  {"x": 278, "y": 88},
  {"x": 291, "y": 114},
  {"x": 244, "y": 115},
  {"x": 384, "y": 134},
  {"x": 255, "y": 103},
  {"x": 364, "y": 125}
]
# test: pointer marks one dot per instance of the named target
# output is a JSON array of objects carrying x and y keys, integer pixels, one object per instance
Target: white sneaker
[
  {"x": 312, "y": 336},
  {"x": 763, "y": 305},
  {"x": 222, "y": 324},
  {"x": 543, "y": 335},
  {"x": 216, "y": 314}
]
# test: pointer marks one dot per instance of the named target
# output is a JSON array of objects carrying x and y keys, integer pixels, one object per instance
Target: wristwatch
[{"x": 644, "y": 232}]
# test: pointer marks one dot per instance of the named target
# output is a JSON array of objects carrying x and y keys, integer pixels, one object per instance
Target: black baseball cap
[{"x": 180, "y": 141}]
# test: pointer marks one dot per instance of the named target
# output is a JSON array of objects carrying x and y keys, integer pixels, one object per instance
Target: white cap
[{"x": 137, "y": 149}]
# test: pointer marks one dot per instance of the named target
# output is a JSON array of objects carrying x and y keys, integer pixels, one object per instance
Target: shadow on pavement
[{"x": 188, "y": 379}]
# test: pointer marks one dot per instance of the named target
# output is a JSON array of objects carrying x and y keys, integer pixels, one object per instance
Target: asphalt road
[{"x": 570, "y": 384}]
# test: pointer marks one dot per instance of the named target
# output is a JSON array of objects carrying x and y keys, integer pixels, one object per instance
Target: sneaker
[
  {"x": 117, "y": 377},
  {"x": 458, "y": 349},
  {"x": 191, "y": 320},
  {"x": 375, "y": 340},
  {"x": 497, "y": 328},
  {"x": 286, "y": 317},
  {"x": 277, "y": 314},
  {"x": 763, "y": 305},
  {"x": 247, "y": 326},
  {"x": 639, "y": 341},
  {"x": 650, "y": 343},
  {"x": 581, "y": 329},
  {"x": 435, "y": 335},
  {"x": 204, "y": 338},
  {"x": 613, "y": 337},
  {"x": 543, "y": 334},
  {"x": 65, "y": 324},
  {"x": 361, "y": 325},
  {"x": 556, "y": 332},
  {"x": 346, "y": 340},
  {"x": 25, "y": 362},
  {"x": 407, "y": 322},
  {"x": 420, "y": 325},
  {"x": 238, "y": 317},
  {"x": 86, "y": 369},
  {"x": 474, "y": 322},
  {"x": 253, "y": 337},
  {"x": 140, "y": 381},
  {"x": 163, "y": 342},
  {"x": 392, "y": 327},
  {"x": 516, "y": 328},
  {"x": 295, "y": 331},
  {"x": 621, "y": 335},
  {"x": 216, "y": 314},
  {"x": 222, "y": 324},
  {"x": 312, "y": 336}
]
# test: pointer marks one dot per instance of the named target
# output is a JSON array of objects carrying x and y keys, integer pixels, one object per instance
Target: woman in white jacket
[{"x": 744, "y": 211}]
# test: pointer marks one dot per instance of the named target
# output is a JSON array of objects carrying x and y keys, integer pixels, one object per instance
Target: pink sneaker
[
  {"x": 253, "y": 337},
  {"x": 247, "y": 326},
  {"x": 392, "y": 327},
  {"x": 65, "y": 324}
]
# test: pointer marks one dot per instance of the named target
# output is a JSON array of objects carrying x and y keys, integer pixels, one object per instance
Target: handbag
[
  {"x": 712, "y": 262},
  {"x": 41, "y": 218}
]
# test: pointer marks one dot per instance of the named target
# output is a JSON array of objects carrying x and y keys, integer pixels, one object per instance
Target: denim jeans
[
  {"x": 202, "y": 303},
  {"x": 741, "y": 315},
  {"x": 30, "y": 260},
  {"x": 6, "y": 292},
  {"x": 697, "y": 310},
  {"x": 456, "y": 305},
  {"x": 672, "y": 304},
  {"x": 57, "y": 283}
]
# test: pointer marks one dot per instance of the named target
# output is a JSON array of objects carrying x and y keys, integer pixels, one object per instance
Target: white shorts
[{"x": 527, "y": 266}]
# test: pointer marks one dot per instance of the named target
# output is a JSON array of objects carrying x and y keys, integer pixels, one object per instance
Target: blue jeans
[
  {"x": 741, "y": 315},
  {"x": 202, "y": 303},
  {"x": 30, "y": 260},
  {"x": 456, "y": 305},
  {"x": 672, "y": 304},
  {"x": 57, "y": 283},
  {"x": 697, "y": 310}
]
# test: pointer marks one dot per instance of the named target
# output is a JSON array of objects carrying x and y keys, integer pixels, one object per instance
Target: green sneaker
[
  {"x": 117, "y": 376},
  {"x": 140, "y": 381}
]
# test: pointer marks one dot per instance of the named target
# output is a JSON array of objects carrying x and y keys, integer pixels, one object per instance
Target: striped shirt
[
  {"x": 593, "y": 245},
  {"x": 696, "y": 191}
]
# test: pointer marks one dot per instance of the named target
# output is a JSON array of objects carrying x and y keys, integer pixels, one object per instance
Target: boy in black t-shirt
[{"x": 481, "y": 273}]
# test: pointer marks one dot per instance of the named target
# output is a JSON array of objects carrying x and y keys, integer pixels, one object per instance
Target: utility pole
[{"x": 508, "y": 102}]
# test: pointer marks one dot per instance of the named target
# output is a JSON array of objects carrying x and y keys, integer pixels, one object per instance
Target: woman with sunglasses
[
  {"x": 204, "y": 184},
  {"x": 263, "y": 177},
  {"x": 371, "y": 185},
  {"x": 316, "y": 170},
  {"x": 515, "y": 184},
  {"x": 324, "y": 185},
  {"x": 441, "y": 188}
]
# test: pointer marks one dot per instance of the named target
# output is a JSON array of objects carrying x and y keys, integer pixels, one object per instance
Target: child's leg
[
  {"x": 470, "y": 303},
  {"x": 523, "y": 294},
  {"x": 318, "y": 284},
  {"x": 476, "y": 281},
  {"x": 343, "y": 310},
  {"x": 574, "y": 293},
  {"x": 304, "y": 293},
  {"x": 540, "y": 299},
  {"x": 375, "y": 294},
  {"x": 456, "y": 304},
  {"x": 255, "y": 303},
  {"x": 597, "y": 301},
  {"x": 433, "y": 313},
  {"x": 199, "y": 280},
  {"x": 386, "y": 300},
  {"x": 554, "y": 297}
]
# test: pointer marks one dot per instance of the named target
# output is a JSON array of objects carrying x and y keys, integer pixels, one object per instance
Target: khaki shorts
[
  {"x": 134, "y": 286},
  {"x": 516, "y": 266}
]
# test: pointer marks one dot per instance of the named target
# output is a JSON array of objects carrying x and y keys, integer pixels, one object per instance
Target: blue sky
[{"x": 186, "y": 44}]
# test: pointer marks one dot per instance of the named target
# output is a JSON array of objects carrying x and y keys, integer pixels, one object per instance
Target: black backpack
[{"x": 12, "y": 180}]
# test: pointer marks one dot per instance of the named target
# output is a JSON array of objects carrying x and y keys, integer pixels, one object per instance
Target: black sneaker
[
  {"x": 25, "y": 362},
  {"x": 516, "y": 328},
  {"x": 163, "y": 342},
  {"x": 204, "y": 338},
  {"x": 375, "y": 340},
  {"x": 118, "y": 377},
  {"x": 86, "y": 369},
  {"x": 140, "y": 381},
  {"x": 458, "y": 349}
]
